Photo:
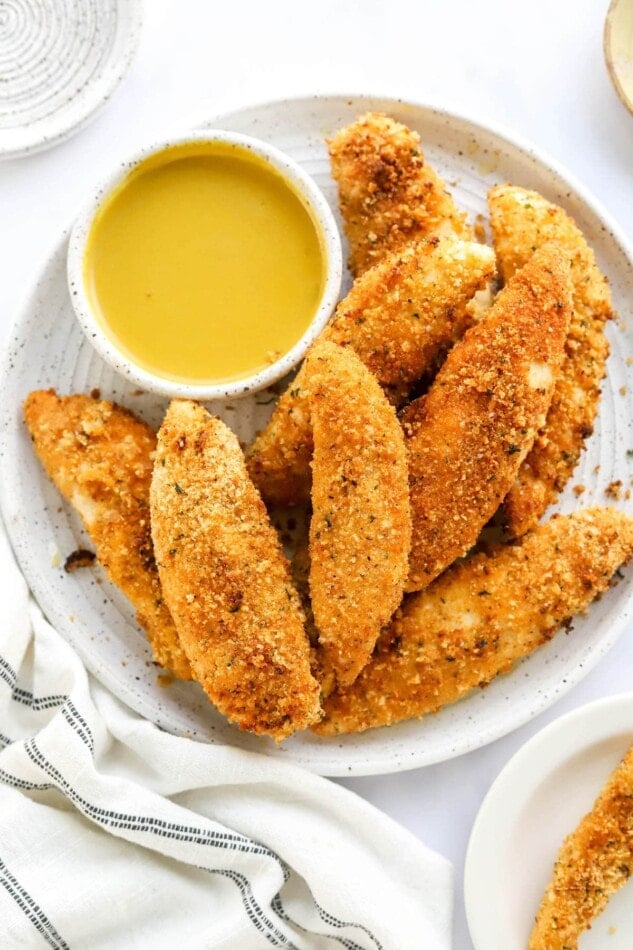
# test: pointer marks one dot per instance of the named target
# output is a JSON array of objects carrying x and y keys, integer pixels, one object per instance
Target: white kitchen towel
[{"x": 115, "y": 834}]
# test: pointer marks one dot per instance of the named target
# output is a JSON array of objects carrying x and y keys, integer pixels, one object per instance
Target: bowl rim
[{"x": 320, "y": 212}]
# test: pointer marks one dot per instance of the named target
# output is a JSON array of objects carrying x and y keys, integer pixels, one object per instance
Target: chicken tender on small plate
[
  {"x": 226, "y": 580},
  {"x": 467, "y": 437},
  {"x": 388, "y": 194},
  {"x": 400, "y": 317},
  {"x": 594, "y": 862},
  {"x": 100, "y": 458},
  {"x": 480, "y": 617},
  {"x": 360, "y": 532},
  {"x": 521, "y": 221}
]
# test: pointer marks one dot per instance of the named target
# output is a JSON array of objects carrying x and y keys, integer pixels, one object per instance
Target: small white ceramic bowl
[{"x": 322, "y": 216}]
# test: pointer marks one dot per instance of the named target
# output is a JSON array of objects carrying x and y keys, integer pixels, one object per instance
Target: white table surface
[{"x": 535, "y": 67}]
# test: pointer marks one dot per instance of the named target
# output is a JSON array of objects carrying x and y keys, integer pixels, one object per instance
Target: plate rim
[
  {"x": 373, "y": 762},
  {"x": 520, "y": 777},
  {"x": 499, "y": 129}
]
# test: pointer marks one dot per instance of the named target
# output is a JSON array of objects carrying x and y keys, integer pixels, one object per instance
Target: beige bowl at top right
[{"x": 618, "y": 48}]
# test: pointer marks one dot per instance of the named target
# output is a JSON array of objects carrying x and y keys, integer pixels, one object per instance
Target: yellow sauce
[{"x": 204, "y": 265}]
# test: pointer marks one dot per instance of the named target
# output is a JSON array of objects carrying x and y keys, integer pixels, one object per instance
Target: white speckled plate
[
  {"x": 536, "y": 801},
  {"x": 60, "y": 61},
  {"x": 48, "y": 349}
]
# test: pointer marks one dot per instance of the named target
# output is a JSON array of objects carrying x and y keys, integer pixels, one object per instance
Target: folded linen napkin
[{"x": 116, "y": 834}]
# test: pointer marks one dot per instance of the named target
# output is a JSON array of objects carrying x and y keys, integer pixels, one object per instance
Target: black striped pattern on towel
[{"x": 186, "y": 833}]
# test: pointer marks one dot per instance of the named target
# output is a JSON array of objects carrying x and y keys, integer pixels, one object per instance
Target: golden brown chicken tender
[
  {"x": 388, "y": 194},
  {"x": 480, "y": 617},
  {"x": 594, "y": 862},
  {"x": 467, "y": 437},
  {"x": 100, "y": 458},
  {"x": 226, "y": 580},
  {"x": 360, "y": 533},
  {"x": 398, "y": 317},
  {"x": 521, "y": 221}
]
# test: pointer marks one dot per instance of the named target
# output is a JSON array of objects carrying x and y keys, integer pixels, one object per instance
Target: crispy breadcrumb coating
[
  {"x": 480, "y": 617},
  {"x": 388, "y": 194},
  {"x": 406, "y": 311},
  {"x": 300, "y": 573},
  {"x": 593, "y": 863},
  {"x": 467, "y": 437},
  {"x": 522, "y": 221},
  {"x": 399, "y": 317},
  {"x": 100, "y": 458},
  {"x": 226, "y": 580},
  {"x": 360, "y": 532}
]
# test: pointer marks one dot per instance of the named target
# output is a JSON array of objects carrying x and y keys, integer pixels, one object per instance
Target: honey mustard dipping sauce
[{"x": 204, "y": 265}]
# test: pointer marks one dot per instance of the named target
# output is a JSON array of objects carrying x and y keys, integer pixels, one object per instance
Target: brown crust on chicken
[
  {"x": 278, "y": 460},
  {"x": 100, "y": 458},
  {"x": 521, "y": 221},
  {"x": 593, "y": 863},
  {"x": 467, "y": 437},
  {"x": 226, "y": 580},
  {"x": 360, "y": 533},
  {"x": 399, "y": 317},
  {"x": 388, "y": 194},
  {"x": 78, "y": 559},
  {"x": 480, "y": 617}
]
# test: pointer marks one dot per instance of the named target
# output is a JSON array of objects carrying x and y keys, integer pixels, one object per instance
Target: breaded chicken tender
[
  {"x": 388, "y": 194},
  {"x": 399, "y": 317},
  {"x": 226, "y": 580},
  {"x": 300, "y": 573},
  {"x": 100, "y": 458},
  {"x": 468, "y": 436},
  {"x": 480, "y": 617},
  {"x": 521, "y": 221},
  {"x": 360, "y": 532},
  {"x": 594, "y": 862}
]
